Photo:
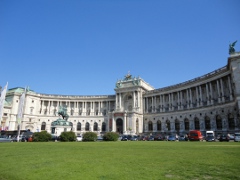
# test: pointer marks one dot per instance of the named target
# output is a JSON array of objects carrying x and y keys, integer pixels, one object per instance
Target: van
[
  {"x": 237, "y": 137},
  {"x": 195, "y": 135}
]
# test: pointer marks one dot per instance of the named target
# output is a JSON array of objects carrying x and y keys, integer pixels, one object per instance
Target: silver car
[
  {"x": 237, "y": 137},
  {"x": 5, "y": 139}
]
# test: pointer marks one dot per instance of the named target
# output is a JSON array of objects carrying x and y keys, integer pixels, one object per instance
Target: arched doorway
[{"x": 119, "y": 126}]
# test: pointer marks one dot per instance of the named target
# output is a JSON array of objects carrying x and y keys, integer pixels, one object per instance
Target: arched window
[
  {"x": 103, "y": 127},
  {"x": 79, "y": 126},
  {"x": 159, "y": 125},
  {"x": 219, "y": 122},
  {"x": 207, "y": 123},
  {"x": 186, "y": 124},
  {"x": 231, "y": 123},
  {"x": 150, "y": 126},
  {"x": 87, "y": 127},
  {"x": 177, "y": 125},
  {"x": 43, "y": 126},
  {"x": 95, "y": 127},
  {"x": 196, "y": 123}
]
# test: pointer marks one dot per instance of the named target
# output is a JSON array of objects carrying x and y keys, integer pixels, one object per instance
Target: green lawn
[{"x": 120, "y": 160}]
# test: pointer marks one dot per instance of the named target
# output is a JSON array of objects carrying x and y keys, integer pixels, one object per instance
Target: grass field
[{"x": 120, "y": 160}]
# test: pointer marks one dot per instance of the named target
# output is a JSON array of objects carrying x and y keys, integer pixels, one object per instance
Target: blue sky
[{"x": 82, "y": 47}]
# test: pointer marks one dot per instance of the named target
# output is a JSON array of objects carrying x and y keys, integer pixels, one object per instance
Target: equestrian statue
[{"x": 63, "y": 112}]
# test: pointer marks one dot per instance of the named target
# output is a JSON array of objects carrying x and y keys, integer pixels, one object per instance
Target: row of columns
[
  {"x": 136, "y": 95},
  {"x": 188, "y": 102},
  {"x": 77, "y": 107}
]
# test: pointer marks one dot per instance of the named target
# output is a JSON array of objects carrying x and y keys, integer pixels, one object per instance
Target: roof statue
[
  {"x": 231, "y": 47},
  {"x": 128, "y": 76}
]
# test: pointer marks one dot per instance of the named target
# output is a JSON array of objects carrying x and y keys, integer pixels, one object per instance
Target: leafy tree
[
  {"x": 68, "y": 136},
  {"x": 42, "y": 136},
  {"x": 89, "y": 136},
  {"x": 110, "y": 136}
]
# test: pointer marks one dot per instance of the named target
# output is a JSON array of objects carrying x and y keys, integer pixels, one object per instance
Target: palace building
[{"x": 209, "y": 102}]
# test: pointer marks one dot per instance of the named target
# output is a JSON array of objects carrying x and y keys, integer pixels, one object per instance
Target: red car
[{"x": 195, "y": 135}]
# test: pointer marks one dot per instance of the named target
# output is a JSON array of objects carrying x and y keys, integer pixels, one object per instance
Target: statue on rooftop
[
  {"x": 231, "y": 47},
  {"x": 128, "y": 76}
]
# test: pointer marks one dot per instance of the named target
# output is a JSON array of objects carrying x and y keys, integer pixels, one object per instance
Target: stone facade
[{"x": 209, "y": 102}]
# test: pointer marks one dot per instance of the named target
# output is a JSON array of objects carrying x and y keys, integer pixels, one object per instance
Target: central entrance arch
[{"x": 119, "y": 126}]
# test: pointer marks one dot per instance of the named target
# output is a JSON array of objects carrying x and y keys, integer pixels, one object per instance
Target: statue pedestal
[{"x": 59, "y": 126}]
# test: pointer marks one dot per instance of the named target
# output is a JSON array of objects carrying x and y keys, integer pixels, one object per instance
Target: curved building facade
[{"x": 209, "y": 102}]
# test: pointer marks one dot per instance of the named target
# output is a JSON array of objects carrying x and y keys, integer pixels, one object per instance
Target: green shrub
[
  {"x": 89, "y": 136},
  {"x": 68, "y": 136},
  {"x": 110, "y": 136},
  {"x": 42, "y": 136}
]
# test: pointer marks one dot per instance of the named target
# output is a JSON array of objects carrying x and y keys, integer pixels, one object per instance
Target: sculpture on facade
[{"x": 231, "y": 47}]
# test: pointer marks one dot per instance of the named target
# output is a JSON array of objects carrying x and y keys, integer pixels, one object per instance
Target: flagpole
[
  {"x": 2, "y": 100},
  {"x": 20, "y": 112}
]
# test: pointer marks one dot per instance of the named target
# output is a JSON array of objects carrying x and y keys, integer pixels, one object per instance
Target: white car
[
  {"x": 237, "y": 137},
  {"x": 79, "y": 138}
]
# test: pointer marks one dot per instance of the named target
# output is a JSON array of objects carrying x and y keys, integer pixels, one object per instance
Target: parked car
[
  {"x": 143, "y": 138},
  {"x": 181, "y": 138},
  {"x": 210, "y": 138},
  {"x": 171, "y": 138},
  {"x": 5, "y": 139},
  {"x": 159, "y": 138},
  {"x": 99, "y": 138},
  {"x": 224, "y": 137},
  {"x": 79, "y": 138},
  {"x": 237, "y": 137},
  {"x": 21, "y": 138},
  {"x": 195, "y": 135},
  {"x": 134, "y": 138},
  {"x": 151, "y": 138},
  {"x": 126, "y": 138},
  {"x": 231, "y": 136}
]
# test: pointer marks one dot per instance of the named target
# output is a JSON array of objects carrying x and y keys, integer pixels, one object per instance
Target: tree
[
  {"x": 89, "y": 136},
  {"x": 42, "y": 136},
  {"x": 110, "y": 136},
  {"x": 68, "y": 136}
]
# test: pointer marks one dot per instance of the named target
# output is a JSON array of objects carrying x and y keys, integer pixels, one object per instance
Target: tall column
[
  {"x": 218, "y": 90},
  {"x": 211, "y": 93},
  {"x": 147, "y": 103},
  {"x": 133, "y": 93},
  {"x": 120, "y": 100},
  {"x": 125, "y": 123},
  {"x": 222, "y": 91},
  {"x": 178, "y": 100},
  {"x": 207, "y": 91},
  {"x": 230, "y": 88},
  {"x": 144, "y": 105},
  {"x": 169, "y": 101},
  {"x": 197, "y": 98},
  {"x": 152, "y": 104},
  {"x": 48, "y": 108},
  {"x": 116, "y": 101},
  {"x": 191, "y": 97},
  {"x": 160, "y": 102},
  {"x": 187, "y": 97},
  {"x": 41, "y": 108},
  {"x": 181, "y": 100},
  {"x": 155, "y": 103},
  {"x": 201, "y": 98},
  {"x": 113, "y": 124}
]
